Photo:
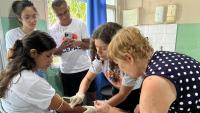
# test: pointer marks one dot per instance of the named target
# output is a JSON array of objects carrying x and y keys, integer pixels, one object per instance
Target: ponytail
[
  {"x": 19, "y": 6},
  {"x": 13, "y": 66},
  {"x": 20, "y": 57},
  {"x": 12, "y": 53}
]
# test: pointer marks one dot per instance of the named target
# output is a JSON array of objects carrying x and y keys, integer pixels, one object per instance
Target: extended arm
[{"x": 58, "y": 104}]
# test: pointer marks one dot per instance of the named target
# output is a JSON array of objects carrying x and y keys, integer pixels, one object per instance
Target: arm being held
[
  {"x": 104, "y": 107},
  {"x": 58, "y": 104}
]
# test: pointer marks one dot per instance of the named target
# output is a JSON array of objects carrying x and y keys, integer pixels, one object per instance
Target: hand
[
  {"x": 76, "y": 44},
  {"x": 90, "y": 109},
  {"x": 76, "y": 99},
  {"x": 102, "y": 106},
  {"x": 137, "y": 109},
  {"x": 67, "y": 43}
]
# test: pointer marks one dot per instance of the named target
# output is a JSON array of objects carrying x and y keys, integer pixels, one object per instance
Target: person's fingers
[
  {"x": 73, "y": 102},
  {"x": 72, "y": 105},
  {"x": 96, "y": 104},
  {"x": 99, "y": 104}
]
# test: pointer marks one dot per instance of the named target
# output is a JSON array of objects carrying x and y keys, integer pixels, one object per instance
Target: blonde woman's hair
[{"x": 129, "y": 40}]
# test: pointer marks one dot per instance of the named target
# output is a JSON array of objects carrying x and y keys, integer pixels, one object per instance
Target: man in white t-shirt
[{"x": 72, "y": 43}]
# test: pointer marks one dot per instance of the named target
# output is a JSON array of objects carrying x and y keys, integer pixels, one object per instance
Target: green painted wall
[{"x": 188, "y": 40}]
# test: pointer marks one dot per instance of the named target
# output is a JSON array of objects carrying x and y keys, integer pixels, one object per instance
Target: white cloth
[
  {"x": 97, "y": 66},
  {"x": 13, "y": 35},
  {"x": 28, "y": 93},
  {"x": 74, "y": 60}
]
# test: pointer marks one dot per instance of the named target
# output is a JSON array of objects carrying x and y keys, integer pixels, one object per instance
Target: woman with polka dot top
[{"x": 172, "y": 80}]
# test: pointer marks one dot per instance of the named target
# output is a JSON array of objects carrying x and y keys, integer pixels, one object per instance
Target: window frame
[
  {"x": 114, "y": 9},
  {"x": 117, "y": 7}
]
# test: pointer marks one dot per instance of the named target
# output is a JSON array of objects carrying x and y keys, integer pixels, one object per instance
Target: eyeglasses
[
  {"x": 28, "y": 17},
  {"x": 66, "y": 12}
]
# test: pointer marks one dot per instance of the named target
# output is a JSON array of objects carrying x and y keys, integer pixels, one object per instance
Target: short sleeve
[
  {"x": 13, "y": 35},
  {"x": 40, "y": 94},
  {"x": 9, "y": 41},
  {"x": 56, "y": 33},
  {"x": 96, "y": 66}
]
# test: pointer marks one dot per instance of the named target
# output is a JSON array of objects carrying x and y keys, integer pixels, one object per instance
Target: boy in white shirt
[{"x": 72, "y": 49}]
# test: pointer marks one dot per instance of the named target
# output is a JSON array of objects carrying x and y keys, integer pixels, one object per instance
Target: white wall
[
  {"x": 187, "y": 10},
  {"x": 161, "y": 37}
]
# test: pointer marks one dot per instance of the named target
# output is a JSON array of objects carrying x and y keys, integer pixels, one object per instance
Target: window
[
  {"x": 77, "y": 9},
  {"x": 111, "y": 10}
]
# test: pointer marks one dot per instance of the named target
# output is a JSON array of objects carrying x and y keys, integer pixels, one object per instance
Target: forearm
[
  {"x": 76, "y": 109},
  {"x": 116, "y": 99},
  {"x": 58, "y": 51},
  {"x": 67, "y": 109},
  {"x": 87, "y": 80},
  {"x": 58, "y": 104},
  {"x": 84, "y": 86},
  {"x": 123, "y": 93}
]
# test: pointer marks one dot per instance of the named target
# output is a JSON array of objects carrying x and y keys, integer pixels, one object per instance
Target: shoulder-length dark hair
[
  {"x": 19, "y": 6},
  {"x": 105, "y": 33},
  {"x": 21, "y": 57}
]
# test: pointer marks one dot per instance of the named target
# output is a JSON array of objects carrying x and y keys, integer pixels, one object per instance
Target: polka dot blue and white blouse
[{"x": 184, "y": 72}]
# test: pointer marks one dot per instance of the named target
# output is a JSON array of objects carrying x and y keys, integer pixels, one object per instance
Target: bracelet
[{"x": 60, "y": 105}]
